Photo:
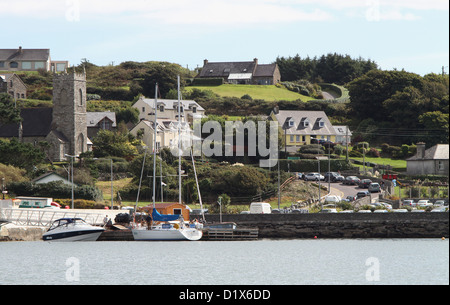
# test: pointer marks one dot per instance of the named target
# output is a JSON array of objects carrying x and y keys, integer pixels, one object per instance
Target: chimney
[
  {"x": 20, "y": 50},
  {"x": 276, "y": 110},
  {"x": 205, "y": 62},
  {"x": 420, "y": 150},
  {"x": 255, "y": 60}
]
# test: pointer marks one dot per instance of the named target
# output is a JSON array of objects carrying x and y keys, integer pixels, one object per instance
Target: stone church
[{"x": 63, "y": 127}]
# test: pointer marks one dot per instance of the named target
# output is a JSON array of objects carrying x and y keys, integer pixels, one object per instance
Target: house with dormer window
[
  {"x": 300, "y": 127},
  {"x": 168, "y": 109}
]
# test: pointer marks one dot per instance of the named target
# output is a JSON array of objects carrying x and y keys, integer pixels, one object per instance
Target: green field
[{"x": 268, "y": 93}]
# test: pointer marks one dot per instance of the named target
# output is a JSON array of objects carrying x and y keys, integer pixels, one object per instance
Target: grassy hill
[{"x": 268, "y": 93}]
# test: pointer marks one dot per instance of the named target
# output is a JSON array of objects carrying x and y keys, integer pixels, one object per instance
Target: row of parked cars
[{"x": 372, "y": 187}]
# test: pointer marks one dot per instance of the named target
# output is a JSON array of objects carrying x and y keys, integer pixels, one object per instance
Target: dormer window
[
  {"x": 321, "y": 122},
  {"x": 161, "y": 108},
  {"x": 304, "y": 122}
]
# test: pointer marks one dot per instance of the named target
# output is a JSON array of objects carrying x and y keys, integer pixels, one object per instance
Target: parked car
[
  {"x": 333, "y": 177},
  {"x": 424, "y": 203},
  {"x": 300, "y": 175},
  {"x": 313, "y": 177},
  {"x": 374, "y": 188},
  {"x": 400, "y": 211},
  {"x": 327, "y": 211},
  {"x": 365, "y": 183},
  {"x": 440, "y": 209},
  {"x": 333, "y": 199},
  {"x": 409, "y": 202},
  {"x": 350, "y": 198},
  {"x": 440, "y": 203},
  {"x": 362, "y": 194},
  {"x": 352, "y": 180}
]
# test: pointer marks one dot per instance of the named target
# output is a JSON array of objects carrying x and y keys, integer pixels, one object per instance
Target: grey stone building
[
  {"x": 68, "y": 133},
  {"x": 12, "y": 84},
  {"x": 247, "y": 72},
  {"x": 30, "y": 60},
  {"x": 433, "y": 161},
  {"x": 63, "y": 127}
]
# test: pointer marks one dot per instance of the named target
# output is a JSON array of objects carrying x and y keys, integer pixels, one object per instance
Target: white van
[{"x": 260, "y": 208}]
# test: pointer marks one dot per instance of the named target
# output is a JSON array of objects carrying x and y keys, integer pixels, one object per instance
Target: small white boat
[
  {"x": 72, "y": 229},
  {"x": 168, "y": 232}
]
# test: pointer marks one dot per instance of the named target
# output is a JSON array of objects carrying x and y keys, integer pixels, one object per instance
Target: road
[{"x": 343, "y": 190}]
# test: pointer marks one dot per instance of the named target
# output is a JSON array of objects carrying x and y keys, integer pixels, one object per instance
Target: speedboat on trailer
[{"x": 72, "y": 229}]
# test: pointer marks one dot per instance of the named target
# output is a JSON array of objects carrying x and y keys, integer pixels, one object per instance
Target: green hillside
[{"x": 268, "y": 93}]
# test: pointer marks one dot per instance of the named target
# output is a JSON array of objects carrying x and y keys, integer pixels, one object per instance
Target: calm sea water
[{"x": 262, "y": 262}]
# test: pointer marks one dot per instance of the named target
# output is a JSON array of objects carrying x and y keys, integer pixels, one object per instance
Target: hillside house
[
  {"x": 250, "y": 72},
  {"x": 300, "y": 127},
  {"x": 12, "y": 84},
  {"x": 167, "y": 133},
  {"x": 168, "y": 110},
  {"x": 29, "y": 60},
  {"x": 97, "y": 121},
  {"x": 433, "y": 161}
]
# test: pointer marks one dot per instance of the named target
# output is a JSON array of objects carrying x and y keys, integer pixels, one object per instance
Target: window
[
  {"x": 291, "y": 123},
  {"x": 297, "y": 139},
  {"x": 292, "y": 138},
  {"x": 143, "y": 109},
  {"x": 14, "y": 65},
  {"x": 194, "y": 109},
  {"x": 39, "y": 65},
  {"x": 60, "y": 67},
  {"x": 2, "y": 64},
  {"x": 161, "y": 108},
  {"x": 322, "y": 124},
  {"x": 176, "y": 211},
  {"x": 303, "y": 138},
  {"x": 81, "y": 97},
  {"x": 26, "y": 65},
  {"x": 440, "y": 165}
]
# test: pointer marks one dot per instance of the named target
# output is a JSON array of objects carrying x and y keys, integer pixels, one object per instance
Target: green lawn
[
  {"x": 398, "y": 164},
  {"x": 268, "y": 93}
]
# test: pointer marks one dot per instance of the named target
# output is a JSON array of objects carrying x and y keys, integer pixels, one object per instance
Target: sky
[{"x": 397, "y": 34}]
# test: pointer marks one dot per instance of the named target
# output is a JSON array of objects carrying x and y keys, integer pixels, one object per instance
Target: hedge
[
  {"x": 55, "y": 189},
  {"x": 305, "y": 166},
  {"x": 208, "y": 82}
]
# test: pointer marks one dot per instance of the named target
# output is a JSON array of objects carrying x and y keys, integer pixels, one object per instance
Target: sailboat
[{"x": 167, "y": 227}]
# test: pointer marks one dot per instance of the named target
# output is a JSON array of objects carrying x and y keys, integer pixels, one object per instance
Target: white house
[
  {"x": 50, "y": 177},
  {"x": 433, "y": 161},
  {"x": 167, "y": 133},
  {"x": 168, "y": 110}
]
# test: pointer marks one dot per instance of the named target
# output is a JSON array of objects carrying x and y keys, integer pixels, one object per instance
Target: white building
[{"x": 168, "y": 110}]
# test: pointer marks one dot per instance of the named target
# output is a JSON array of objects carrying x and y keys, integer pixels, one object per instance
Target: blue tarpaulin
[{"x": 159, "y": 217}]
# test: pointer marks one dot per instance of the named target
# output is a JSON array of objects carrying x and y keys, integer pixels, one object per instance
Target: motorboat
[{"x": 72, "y": 229}]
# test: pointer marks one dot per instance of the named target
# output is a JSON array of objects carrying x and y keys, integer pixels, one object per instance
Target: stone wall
[{"x": 351, "y": 225}]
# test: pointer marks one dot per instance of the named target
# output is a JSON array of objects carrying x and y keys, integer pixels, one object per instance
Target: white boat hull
[
  {"x": 188, "y": 234},
  {"x": 82, "y": 237}
]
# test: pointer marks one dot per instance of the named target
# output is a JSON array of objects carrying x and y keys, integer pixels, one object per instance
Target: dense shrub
[{"x": 56, "y": 189}]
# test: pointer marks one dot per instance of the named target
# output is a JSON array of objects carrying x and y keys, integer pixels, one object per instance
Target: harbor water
[{"x": 261, "y": 262}]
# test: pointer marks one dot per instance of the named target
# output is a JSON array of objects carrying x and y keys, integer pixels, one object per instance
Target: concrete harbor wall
[
  {"x": 351, "y": 225},
  {"x": 354, "y": 225}
]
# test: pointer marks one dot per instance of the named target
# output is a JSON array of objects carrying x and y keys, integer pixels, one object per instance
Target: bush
[{"x": 373, "y": 152}]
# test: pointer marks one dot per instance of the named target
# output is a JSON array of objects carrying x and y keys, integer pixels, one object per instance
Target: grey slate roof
[
  {"x": 223, "y": 69},
  {"x": 93, "y": 118},
  {"x": 437, "y": 152},
  {"x": 314, "y": 117},
  {"x": 265, "y": 70},
  {"x": 36, "y": 123},
  {"x": 25, "y": 55}
]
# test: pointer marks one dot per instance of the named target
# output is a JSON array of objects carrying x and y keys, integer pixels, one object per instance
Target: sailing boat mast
[
  {"x": 154, "y": 146},
  {"x": 179, "y": 141}
]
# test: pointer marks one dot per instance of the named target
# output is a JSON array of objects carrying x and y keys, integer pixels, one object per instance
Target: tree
[
  {"x": 369, "y": 92},
  {"x": 23, "y": 155},
  {"x": 437, "y": 124},
  {"x": 8, "y": 112},
  {"x": 163, "y": 73},
  {"x": 109, "y": 143}
]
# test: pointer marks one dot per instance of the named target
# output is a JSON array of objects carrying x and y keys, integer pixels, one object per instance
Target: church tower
[{"x": 69, "y": 113}]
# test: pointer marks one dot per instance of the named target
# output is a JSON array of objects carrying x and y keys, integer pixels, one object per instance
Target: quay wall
[{"x": 351, "y": 225}]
